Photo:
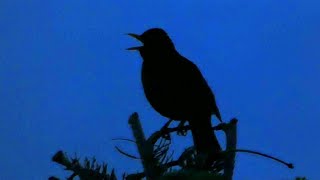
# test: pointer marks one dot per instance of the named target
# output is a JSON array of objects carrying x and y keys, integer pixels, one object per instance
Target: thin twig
[
  {"x": 126, "y": 154},
  {"x": 289, "y": 165}
]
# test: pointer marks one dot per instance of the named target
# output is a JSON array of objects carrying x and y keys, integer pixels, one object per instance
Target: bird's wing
[{"x": 197, "y": 89}]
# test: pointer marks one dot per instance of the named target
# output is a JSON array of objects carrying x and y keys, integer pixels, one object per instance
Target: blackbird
[{"x": 175, "y": 88}]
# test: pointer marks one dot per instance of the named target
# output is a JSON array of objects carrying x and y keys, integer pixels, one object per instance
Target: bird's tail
[{"x": 204, "y": 138}]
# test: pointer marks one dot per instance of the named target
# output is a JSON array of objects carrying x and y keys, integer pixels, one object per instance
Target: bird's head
[{"x": 153, "y": 39}]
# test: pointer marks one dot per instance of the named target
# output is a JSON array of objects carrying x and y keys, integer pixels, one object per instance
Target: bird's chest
[
  {"x": 160, "y": 79},
  {"x": 163, "y": 88}
]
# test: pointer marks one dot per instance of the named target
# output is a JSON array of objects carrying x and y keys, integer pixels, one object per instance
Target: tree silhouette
[{"x": 157, "y": 161}]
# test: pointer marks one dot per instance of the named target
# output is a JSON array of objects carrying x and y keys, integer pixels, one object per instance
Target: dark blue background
[{"x": 67, "y": 82}]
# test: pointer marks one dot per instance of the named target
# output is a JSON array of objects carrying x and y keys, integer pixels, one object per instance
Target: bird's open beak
[{"x": 136, "y": 37}]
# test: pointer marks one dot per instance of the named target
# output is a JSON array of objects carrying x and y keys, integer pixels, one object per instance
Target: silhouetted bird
[{"x": 176, "y": 89}]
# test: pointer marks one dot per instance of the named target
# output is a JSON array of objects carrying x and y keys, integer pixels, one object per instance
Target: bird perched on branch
[{"x": 175, "y": 88}]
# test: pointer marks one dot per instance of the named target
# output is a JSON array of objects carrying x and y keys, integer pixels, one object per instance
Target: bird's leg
[
  {"x": 181, "y": 131},
  {"x": 164, "y": 129}
]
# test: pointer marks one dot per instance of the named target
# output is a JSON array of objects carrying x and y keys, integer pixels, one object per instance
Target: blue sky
[{"x": 67, "y": 82}]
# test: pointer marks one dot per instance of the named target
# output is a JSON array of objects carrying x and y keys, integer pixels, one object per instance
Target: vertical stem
[
  {"x": 231, "y": 136},
  {"x": 145, "y": 148}
]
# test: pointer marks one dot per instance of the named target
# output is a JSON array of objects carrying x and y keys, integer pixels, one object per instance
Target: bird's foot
[
  {"x": 164, "y": 130},
  {"x": 181, "y": 130}
]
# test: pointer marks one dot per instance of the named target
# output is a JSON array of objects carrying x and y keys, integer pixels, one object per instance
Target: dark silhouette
[{"x": 176, "y": 89}]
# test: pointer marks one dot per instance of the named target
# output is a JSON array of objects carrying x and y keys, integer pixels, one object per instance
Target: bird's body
[{"x": 176, "y": 89}]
